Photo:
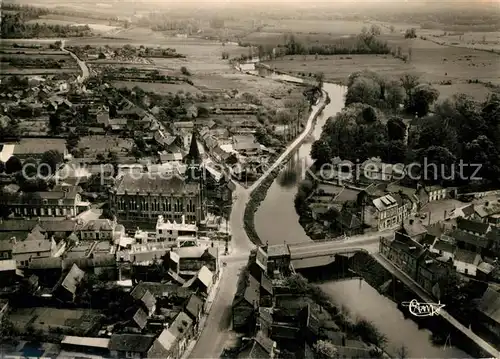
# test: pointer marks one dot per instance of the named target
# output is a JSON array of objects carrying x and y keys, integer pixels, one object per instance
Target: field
[
  {"x": 44, "y": 318},
  {"x": 158, "y": 88},
  {"x": 436, "y": 64}
]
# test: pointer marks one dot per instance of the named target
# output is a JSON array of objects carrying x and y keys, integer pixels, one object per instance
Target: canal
[{"x": 276, "y": 221}]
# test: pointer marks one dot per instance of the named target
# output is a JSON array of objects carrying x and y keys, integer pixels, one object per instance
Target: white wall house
[
  {"x": 436, "y": 193},
  {"x": 171, "y": 231},
  {"x": 466, "y": 262},
  {"x": 391, "y": 211}
]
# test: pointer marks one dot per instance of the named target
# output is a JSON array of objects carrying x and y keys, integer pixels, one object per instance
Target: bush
[{"x": 185, "y": 71}]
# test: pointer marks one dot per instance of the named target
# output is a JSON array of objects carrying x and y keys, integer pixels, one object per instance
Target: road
[
  {"x": 83, "y": 66},
  {"x": 293, "y": 146},
  {"x": 410, "y": 283},
  {"x": 214, "y": 336}
]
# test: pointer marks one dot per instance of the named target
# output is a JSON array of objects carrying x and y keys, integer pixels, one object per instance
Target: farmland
[
  {"x": 31, "y": 61},
  {"x": 436, "y": 64},
  {"x": 159, "y": 88}
]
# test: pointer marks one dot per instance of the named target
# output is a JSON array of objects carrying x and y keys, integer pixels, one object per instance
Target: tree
[
  {"x": 185, "y": 71},
  {"x": 396, "y": 129},
  {"x": 325, "y": 349},
  {"x": 363, "y": 90},
  {"x": 394, "y": 95},
  {"x": 13, "y": 165},
  {"x": 321, "y": 151},
  {"x": 52, "y": 159},
  {"x": 410, "y": 33},
  {"x": 369, "y": 114},
  {"x": 423, "y": 96},
  {"x": 375, "y": 30},
  {"x": 409, "y": 83},
  {"x": 30, "y": 167},
  {"x": 392, "y": 28},
  {"x": 320, "y": 77}
]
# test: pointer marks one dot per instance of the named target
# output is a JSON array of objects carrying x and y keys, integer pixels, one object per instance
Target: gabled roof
[
  {"x": 472, "y": 226},
  {"x": 46, "y": 263},
  {"x": 140, "y": 318},
  {"x": 73, "y": 279},
  {"x": 465, "y": 237},
  {"x": 32, "y": 246},
  {"x": 461, "y": 255},
  {"x": 136, "y": 343},
  {"x": 490, "y": 304},
  {"x": 194, "y": 306},
  {"x": 266, "y": 283},
  {"x": 444, "y": 246},
  {"x": 180, "y": 326},
  {"x": 261, "y": 347}
]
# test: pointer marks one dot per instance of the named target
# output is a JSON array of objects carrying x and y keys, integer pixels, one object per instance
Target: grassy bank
[{"x": 259, "y": 193}]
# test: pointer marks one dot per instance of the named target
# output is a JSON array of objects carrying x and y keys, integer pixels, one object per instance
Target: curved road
[{"x": 83, "y": 66}]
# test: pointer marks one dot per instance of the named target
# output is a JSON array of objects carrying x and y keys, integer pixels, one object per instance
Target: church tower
[{"x": 194, "y": 170}]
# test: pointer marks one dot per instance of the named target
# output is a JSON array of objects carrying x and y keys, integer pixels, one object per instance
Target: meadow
[{"x": 158, "y": 88}]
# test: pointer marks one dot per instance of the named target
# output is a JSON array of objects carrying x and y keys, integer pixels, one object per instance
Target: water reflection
[{"x": 363, "y": 300}]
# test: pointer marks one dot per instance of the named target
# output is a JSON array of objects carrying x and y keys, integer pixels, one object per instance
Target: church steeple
[{"x": 194, "y": 156}]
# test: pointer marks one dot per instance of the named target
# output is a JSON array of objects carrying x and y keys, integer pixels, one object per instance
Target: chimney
[
  {"x": 486, "y": 203},
  {"x": 411, "y": 222}
]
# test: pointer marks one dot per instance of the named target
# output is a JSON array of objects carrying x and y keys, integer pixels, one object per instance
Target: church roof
[{"x": 194, "y": 155}]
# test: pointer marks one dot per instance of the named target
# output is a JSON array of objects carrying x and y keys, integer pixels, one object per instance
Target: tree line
[
  {"x": 393, "y": 120},
  {"x": 14, "y": 26}
]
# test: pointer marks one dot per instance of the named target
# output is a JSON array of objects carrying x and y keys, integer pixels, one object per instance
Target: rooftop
[
  {"x": 155, "y": 183},
  {"x": 137, "y": 343},
  {"x": 278, "y": 250},
  {"x": 462, "y": 255},
  {"x": 37, "y": 146}
]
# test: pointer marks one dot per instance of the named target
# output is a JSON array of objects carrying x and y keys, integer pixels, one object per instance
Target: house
[
  {"x": 66, "y": 289},
  {"x": 415, "y": 229},
  {"x": 488, "y": 213},
  {"x": 36, "y": 246},
  {"x": 246, "y": 144},
  {"x": 408, "y": 192},
  {"x": 349, "y": 223},
  {"x": 173, "y": 341},
  {"x": 392, "y": 210},
  {"x": 8, "y": 272},
  {"x": 7, "y": 240},
  {"x": 194, "y": 308},
  {"x": 436, "y": 193},
  {"x": 260, "y": 346},
  {"x": 192, "y": 259},
  {"x": 103, "y": 266},
  {"x": 473, "y": 227},
  {"x": 445, "y": 249},
  {"x": 202, "y": 282},
  {"x": 171, "y": 231},
  {"x": 222, "y": 156},
  {"x": 98, "y": 229},
  {"x": 61, "y": 203},
  {"x": 244, "y": 305},
  {"x": 48, "y": 270},
  {"x": 144, "y": 299},
  {"x": 403, "y": 252},
  {"x": 489, "y": 310},
  {"x": 466, "y": 262},
  {"x": 278, "y": 258},
  {"x": 135, "y": 346},
  {"x": 375, "y": 169},
  {"x": 466, "y": 212},
  {"x": 35, "y": 147},
  {"x": 86, "y": 345},
  {"x": 430, "y": 273}
]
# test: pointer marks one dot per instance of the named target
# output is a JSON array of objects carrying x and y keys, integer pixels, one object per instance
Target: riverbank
[
  {"x": 258, "y": 194},
  {"x": 441, "y": 333}
]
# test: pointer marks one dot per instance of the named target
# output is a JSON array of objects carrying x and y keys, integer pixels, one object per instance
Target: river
[{"x": 276, "y": 221}]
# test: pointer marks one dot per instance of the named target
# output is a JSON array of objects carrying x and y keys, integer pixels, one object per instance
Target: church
[{"x": 144, "y": 197}]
